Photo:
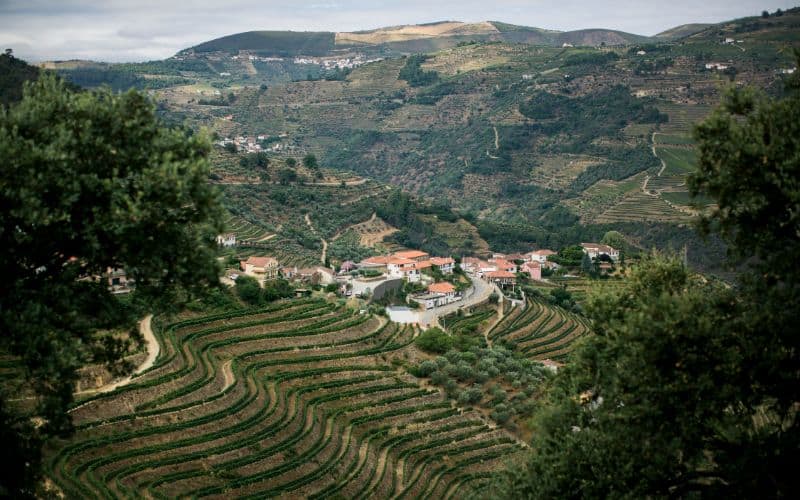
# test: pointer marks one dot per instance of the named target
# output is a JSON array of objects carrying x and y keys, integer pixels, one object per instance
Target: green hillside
[
  {"x": 682, "y": 31},
  {"x": 530, "y": 145},
  {"x": 272, "y": 43},
  {"x": 13, "y": 74}
]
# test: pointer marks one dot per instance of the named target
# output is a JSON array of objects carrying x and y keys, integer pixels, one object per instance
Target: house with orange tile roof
[
  {"x": 374, "y": 262},
  {"x": 533, "y": 269},
  {"x": 504, "y": 265},
  {"x": 265, "y": 268},
  {"x": 444, "y": 288},
  {"x": 444, "y": 264},
  {"x": 503, "y": 279},
  {"x": 539, "y": 256},
  {"x": 416, "y": 255},
  {"x": 403, "y": 268},
  {"x": 438, "y": 294}
]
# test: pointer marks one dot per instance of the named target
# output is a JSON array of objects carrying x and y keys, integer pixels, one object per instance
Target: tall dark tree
[
  {"x": 690, "y": 388},
  {"x": 88, "y": 182}
]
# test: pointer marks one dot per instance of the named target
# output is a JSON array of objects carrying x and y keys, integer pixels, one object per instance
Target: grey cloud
[{"x": 123, "y": 30}]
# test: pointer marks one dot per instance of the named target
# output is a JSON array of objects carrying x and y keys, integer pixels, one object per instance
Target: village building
[
  {"x": 594, "y": 250},
  {"x": 415, "y": 255},
  {"x": 377, "y": 263},
  {"x": 504, "y": 265},
  {"x": 226, "y": 240},
  {"x": 471, "y": 264},
  {"x": 404, "y": 269},
  {"x": 717, "y": 66},
  {"x": 317, "y": 275},
  {"x": 117, "y": 281},
  {"x": 503, "y": 279},
  {"x": 533, "y": 269},
  {"x": 438, "y": 294},
  {"x": 260, "y": 267},
  {"x": 539, "y": 255},
  {"x": 288, "y": 272},
  {"x": 445, "y": 265}
]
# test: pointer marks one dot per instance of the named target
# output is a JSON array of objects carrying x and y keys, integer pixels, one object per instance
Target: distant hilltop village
[{"x": 329, "y": 63}]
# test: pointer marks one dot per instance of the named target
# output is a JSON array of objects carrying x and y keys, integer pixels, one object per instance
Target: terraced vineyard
[
  {"x": 301, "y": 399},
  {"x": 539, "y": 330},
  {"x": 247, "y": 231},
  {"x": 580, "y": 287},
  {"x": 642, "y": 207}
]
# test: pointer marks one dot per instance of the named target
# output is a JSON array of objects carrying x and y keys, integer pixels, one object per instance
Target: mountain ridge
[{"x": 392, "y": 38}]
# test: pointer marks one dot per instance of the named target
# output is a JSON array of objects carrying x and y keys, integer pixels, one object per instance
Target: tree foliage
[
  {"x": 88, "y": 182},
  {"x": 434, "y": 340}
]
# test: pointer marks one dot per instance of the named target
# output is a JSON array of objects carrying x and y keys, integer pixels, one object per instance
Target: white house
[
  {"x": 226, "y": 240},
  {"x": 438, "y": 294},
  {"x": 403, "y": 268},
  {"x": 504, "y": 265},
  {"x": 539, "y": 256},
  {"x": 444, "y": 264},
  {"x": 595, "y": 250},
  {"x": 260, "y": 267}
]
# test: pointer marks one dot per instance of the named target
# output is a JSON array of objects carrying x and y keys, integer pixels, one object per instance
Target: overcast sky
[{"x": 138, "y": 30}]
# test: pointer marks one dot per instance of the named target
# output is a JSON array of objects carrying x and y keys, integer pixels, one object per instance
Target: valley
[
  {"x": 440, "y": 260},
  {"x": 565, "y": 140}
]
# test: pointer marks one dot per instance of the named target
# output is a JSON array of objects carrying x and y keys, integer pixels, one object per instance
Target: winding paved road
[{"x": 477, "y": 293}]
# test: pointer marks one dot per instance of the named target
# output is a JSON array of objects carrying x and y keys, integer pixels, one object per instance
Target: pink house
[{"x": 534, "y": 270}]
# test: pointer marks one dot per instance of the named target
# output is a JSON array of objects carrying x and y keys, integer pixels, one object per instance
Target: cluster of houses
[
  {"x": 252, "y": 144},
  {"x": 331, "y": 63},
  {"x": 411, "y": 265},
  {"x": 416, "y": 266},
  {"x": 408, "y": 264},
  {"x": 268, "y": 268},
  {"x": 717, "y": 66},
  {"x": 501, "y": 269}
]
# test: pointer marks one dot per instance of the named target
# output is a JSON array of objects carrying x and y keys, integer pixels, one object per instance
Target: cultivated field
[
  {"x": 302, "y": 399},
  {"x": 540, "y": 331}
]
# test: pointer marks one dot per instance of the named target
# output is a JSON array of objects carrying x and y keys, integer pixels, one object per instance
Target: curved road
[
  {"x": 153, "y": 348},
  {"x": 478, "y": 292}
]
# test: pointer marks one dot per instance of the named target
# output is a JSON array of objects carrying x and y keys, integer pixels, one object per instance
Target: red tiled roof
[
  {"x": 544, "y": 252},
  {"x": 504, "y": 264},
  {"x": 500, "y": 274},
  {"x": 410, "y": 254},
  {"x": 261, "y": 261},
  {"x": 441, "y": 261},
  {"x": 400, "y": 261},
  {"x": 378, "y": 259},
  {"x": 423, "y": 265},
  {"x": 443, "y": 287}
]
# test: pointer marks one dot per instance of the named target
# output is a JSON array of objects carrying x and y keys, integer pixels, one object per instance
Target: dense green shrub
[
  {"x": 434, "y": 340},
  {"x": 413, "y": 73}
]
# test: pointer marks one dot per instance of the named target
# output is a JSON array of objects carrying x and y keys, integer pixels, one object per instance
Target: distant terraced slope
[
  {"x": 539, "y": 330},
  {"x": 299, "y": 400}
]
